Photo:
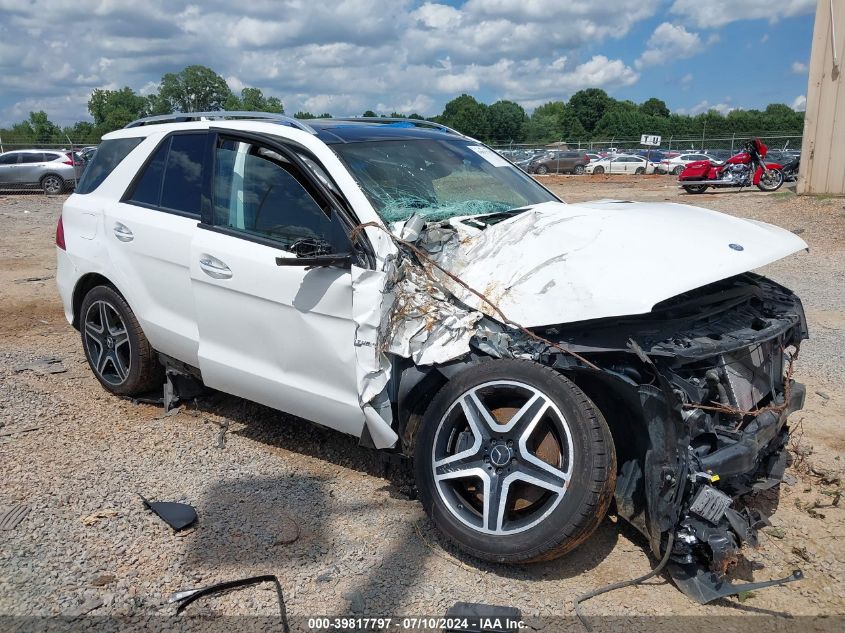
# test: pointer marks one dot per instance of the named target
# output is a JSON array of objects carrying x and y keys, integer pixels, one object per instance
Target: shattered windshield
[{"x": 438, "y": 178}]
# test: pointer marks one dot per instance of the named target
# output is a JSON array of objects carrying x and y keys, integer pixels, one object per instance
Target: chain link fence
[
  {"x": 563, "y": 156},
  {"x": 42, "y": 168}
]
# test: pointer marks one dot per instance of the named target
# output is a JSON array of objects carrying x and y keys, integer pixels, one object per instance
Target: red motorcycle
[{"x": 742, "y": 170}]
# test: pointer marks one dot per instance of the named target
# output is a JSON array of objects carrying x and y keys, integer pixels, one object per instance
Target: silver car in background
[{"x": 53, "y": 171}]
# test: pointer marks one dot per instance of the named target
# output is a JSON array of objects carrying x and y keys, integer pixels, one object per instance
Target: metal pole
[
  {"x": 1, "y": 145},
  {"x": 702, "y": 134}
]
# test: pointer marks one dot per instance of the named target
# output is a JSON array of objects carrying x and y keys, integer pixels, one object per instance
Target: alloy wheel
[
  {"x": 502, "y": 457},
  {"x": 107, "y": 342},
  {"x": 52, "y": 185}
]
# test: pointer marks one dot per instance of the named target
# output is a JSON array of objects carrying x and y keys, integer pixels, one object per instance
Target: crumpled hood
[{"x": 562, "y": 263}]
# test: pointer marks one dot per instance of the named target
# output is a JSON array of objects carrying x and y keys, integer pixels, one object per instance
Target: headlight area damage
[{"x": 696, "y": 391}]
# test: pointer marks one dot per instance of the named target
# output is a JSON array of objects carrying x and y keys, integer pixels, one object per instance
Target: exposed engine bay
[{"x": 712, "y": 382}]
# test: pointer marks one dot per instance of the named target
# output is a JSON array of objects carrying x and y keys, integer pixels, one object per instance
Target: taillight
[
  {"x": 60, "y": 235},
  {"x": 68, "y": 160}
]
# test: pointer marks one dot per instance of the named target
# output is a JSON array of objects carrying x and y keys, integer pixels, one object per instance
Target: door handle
[
  {"x": 123, "y": 232},
  {"x": 214, "y": 268}
]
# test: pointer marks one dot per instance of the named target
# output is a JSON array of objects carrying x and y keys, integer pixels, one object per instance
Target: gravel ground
[{"x": 290, "y": 498}]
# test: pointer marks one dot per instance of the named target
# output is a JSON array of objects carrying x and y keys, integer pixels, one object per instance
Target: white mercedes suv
[{"x": 400, "y": 282}]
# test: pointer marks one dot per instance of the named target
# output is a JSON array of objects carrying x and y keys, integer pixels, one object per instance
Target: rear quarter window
[{"x": 109, "y": 155}]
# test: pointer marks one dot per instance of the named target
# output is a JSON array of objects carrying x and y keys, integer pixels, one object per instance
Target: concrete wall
[{"x": 823, "y": 151}]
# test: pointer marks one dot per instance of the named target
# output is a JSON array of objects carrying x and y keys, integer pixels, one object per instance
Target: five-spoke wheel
[
  {"x": 115, "y": 346},
  {"x": 107, "y": 342},
  {"x": 513, "y": 462},
  {"x": 502, "y": 457}
]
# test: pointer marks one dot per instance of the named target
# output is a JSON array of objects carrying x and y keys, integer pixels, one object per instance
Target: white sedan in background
[
  {"x": 676, "y": 165},
  {"x": 622, "y": 164}
]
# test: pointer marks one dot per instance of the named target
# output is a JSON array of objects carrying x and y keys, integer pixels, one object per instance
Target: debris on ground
[
  {"x": 176, "y": 515},
  {"x": 186, "y": 597},
  {"x": 11, "y": 518},
  {"x": 96, "y": 517},
  {"x": 43, "y": 366},
  {"x": 33, "y": 279}
]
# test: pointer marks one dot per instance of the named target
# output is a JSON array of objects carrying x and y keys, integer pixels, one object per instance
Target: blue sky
[{"x": 405, "y": 55}]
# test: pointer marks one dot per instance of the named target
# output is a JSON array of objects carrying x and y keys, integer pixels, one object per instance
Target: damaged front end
[
  {"x": 696, "y": 391},
  {"x": 708, "y": 377}
]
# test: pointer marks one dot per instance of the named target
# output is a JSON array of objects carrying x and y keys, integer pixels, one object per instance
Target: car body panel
[
  {"x": 560, "y": 263},
  {"x": 279, "y": 335}
]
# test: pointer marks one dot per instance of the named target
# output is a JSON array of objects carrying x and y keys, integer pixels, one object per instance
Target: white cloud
[
  {"x": 716, "y": 13},
  {"x": 765, "y": 38},
  {"x": 799, "y": 104},
  {"x": 705, "y": 106},
  {"x": 668, "y": 43},
  {"x": 342, "y": 57},
  {"x": 687, "y": 79},
  {"x": 799, "y": 68}
]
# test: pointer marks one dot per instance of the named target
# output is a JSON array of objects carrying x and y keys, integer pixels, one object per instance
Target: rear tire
[
  {"x": 579, "y": 170},
  {"x": 640, "y": 171},
  {"x": 560, "y": 431},
  {"x": 695, "y": 188},
  {"x": 117, "y": 351},
  {"x": 542, "y": 170},
  {"x": 677, "y": 171},
  {"x": 774, "y": 184},
  {"x": 52, "y": 185}
]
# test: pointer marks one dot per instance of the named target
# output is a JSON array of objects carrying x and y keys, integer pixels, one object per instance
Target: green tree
[
  {"x": 570, "y": 125},
  {"x": 193, "y": 89},
  {"x": 589, "y": 106},
  {"x": 253, "y": 100},
  {"x": 654, "y": 107},
  {"x": 466, "y": 115},
  {"x": 113, "y": 109},
  {"x": 506, "y": 119},
  {"x": 369, "y": 113},
  {"x": 37, "y": 129},
  {"x": 304, "y": 115}
]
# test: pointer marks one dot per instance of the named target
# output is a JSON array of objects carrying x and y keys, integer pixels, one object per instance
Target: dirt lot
[{"x": 289, "y": 498}]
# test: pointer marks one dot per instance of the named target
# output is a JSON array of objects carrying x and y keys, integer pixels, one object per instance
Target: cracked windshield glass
[{"x": 438, "y": 179}]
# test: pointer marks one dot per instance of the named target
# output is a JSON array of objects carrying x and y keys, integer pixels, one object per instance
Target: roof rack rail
[
  {"x": 180, "y": 117},
  {"x": 417, "y": 122}
]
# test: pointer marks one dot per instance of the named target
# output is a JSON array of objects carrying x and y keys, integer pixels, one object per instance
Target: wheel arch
[
  {"x": 619, "y": 403},
  {"x": 83, "y": 285}
]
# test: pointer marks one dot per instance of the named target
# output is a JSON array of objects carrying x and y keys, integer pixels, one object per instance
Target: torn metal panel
[
  {"x": 424, "y": 324},
  {"x": 371, "y": 303}
]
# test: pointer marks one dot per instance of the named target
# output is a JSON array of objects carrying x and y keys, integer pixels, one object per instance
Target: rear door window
[
  {"x": 109, "y": 155},
  {"x": 182, "y": 187},
  {"x": 32, "y": 157},
  {"x": 172, "y": 178}
]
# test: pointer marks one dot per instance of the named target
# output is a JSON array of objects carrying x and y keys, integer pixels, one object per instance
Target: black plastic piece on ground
[
  {"x": 184, "y": 598},
  {"x": 704, "y": 586},
  {"x": 483, "y": 618},
  {"x": 176, "y": 515}
]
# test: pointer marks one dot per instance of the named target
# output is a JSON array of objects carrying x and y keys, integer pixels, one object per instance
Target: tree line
[{"x": 589, "y": 114}]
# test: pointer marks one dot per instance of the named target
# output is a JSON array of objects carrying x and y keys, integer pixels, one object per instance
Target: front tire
[
  {"x": 514, "y": 463},
  {"x": 117, "y": 351},
  {"x": 542, "y": 170},
  {"x": 598, "y": 170},
  {"x": 677, "y": 171},
  {"x": 695, "y": 188}
]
